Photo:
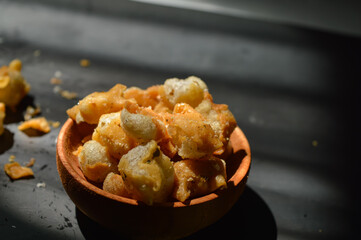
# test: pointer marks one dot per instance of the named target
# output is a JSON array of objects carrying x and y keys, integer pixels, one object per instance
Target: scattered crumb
[
  {"x": 68, "y": 95},
  {"x": 54, "y": 124},
  {"x": 37, "y": 53},
  {"x": 84, "y": 63},
  {"x": 58, "y": 74},
  {"x": 12, "y": 158},
  {"x": 57, "y": 89},
  {"x": 56, "y": 81},
  {"x": 41, "y": 185},
  {"x": 65, "y": 93},
  {"x": 320, "y": 230},
  {"x": 30, "y": 163},
  {"x": 315, "y": 143},
  {"x": 31, "y": 112},
  {"x": 40, "y": 124},
  {"x": 15, "y": 171}
]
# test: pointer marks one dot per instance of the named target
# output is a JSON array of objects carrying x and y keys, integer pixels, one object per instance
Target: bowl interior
[{"x": 71, "y": 136}]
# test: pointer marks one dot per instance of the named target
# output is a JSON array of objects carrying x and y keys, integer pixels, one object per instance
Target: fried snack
[
  {"x": 189, "y": 90},
  {"x": 147, "y": 131},
  {"x": 15, "y": 171},
  {"x": 191, "y": 133},
  {"x": 96, "y": 162},
  {"x": 220, "y": 118},
  {"x": 114, "y": 183},
  {"x": 138, "y": 126},
  {"x": 145, "y": 98},
  {"x": 39, "y": 124},
  {"x": 13, "y": 86},
  {"x": 109, "y": 133},
  {"x": 196, "y": 178},
  {"x": 148, "y": 174},
  {"x": 96, "y": 104},
  {"x": 2, "y": 117}
]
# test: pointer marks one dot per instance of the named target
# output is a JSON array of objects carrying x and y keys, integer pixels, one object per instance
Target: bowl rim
[{"x": 238, "y": 176}]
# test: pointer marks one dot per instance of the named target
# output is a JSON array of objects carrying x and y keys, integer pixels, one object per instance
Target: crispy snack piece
[
  {"x": 110, "y": 134},
  {"x": 189, "y": 90},
  {"x": 191, "y": 133},
  {"x": 13, "y": 86},
  {"x": 90, "y": 108},
  {"x": 114, "y": 184},
  {"x": 144, "y": 124},
  {"x": 220, "y": 118},
  {"x": 148, "y": 174},
  {"x": 95, "y": 161},
  {"x": 196, "y": 178},
  {"x": 2, "y": 117},
  {"x": 15, "y": 171},
  {"x": 39, "y": 124}
]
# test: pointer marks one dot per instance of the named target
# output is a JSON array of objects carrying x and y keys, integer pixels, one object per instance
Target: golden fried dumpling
[
  {"x": 189, "y": 90},
  {"x": 198, "y": 177},
  {"x": 147, "y": 173},
  {"x": 114, "y": 184},
  {"x": 90, "y": 108},
  {"x": 95, "y": 161},
  {"x": 191, "y": 133},
  {"x": 110, "y": 134}
]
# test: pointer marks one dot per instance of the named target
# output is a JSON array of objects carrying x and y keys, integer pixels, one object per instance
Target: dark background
[{"x": 288, "y": 86}]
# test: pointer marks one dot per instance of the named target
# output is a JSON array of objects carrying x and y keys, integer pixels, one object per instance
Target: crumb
[
  {"x": 41, "y": 185},
  {"x": 315, "y": 143},
  {"x": 12, "y": 158},
  {"x": 40, "y": 124},
  {"x": 54, "y": 124},
  {"x": 84, "y": 63},
  {"x": 31, "y": 112},
  {"x": 58, "y": 74},
  {"x": 320, "y": 230},
  {"x": 65, "y": 93},
  {"x": 15, "y": 171},
  {"x": 68, "y": 95},
  {"x": 37, "y": 53},
  {"x": 57, "y": 89},
  {"x": 30, "y": 163},
  {"x": 56, "y": 81}
]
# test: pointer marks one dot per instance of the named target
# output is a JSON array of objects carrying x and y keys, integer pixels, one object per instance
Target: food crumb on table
[{"x": 84, "y": 62}]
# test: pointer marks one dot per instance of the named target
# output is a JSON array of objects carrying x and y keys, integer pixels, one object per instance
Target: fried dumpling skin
[{"x": 147, "y": 173}]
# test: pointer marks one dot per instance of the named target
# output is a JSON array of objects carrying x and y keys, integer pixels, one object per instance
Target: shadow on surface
[
  {"x": 6, "y": 140},
  {"x": 15, "y": 116},
  {"x": 250, "y": 217}
]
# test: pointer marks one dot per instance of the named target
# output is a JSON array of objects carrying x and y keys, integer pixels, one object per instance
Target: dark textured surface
[{"x": 287, "y": 87}]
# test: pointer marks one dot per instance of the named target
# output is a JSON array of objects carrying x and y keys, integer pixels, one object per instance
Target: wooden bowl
[{"x": 133, "y": 219}]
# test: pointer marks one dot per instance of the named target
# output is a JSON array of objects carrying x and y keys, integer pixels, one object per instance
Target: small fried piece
[
  {"x": 90, "y": 108},
  {"x": 220, "y": 118},
  {"x": 145, "y": 98},
  {"x": 31, "y": 112},
  {"x": 190, "y": 91},
  {"x": 15, "y": 171},
  {"x": 198, "y": 177},
  {"x": 114, "y": 184},
  {"x": 13, "y": 86},
  {"x": 39, "y": 124},
  {"x": 109, "y": 133},
  {"x": 147, "y": 173},
  {"x": 95, "y": 161},
  {"x": 2, "y": 117},
  {"x": 138, "y": 126},
  {"x": 191, "y": 133}
]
